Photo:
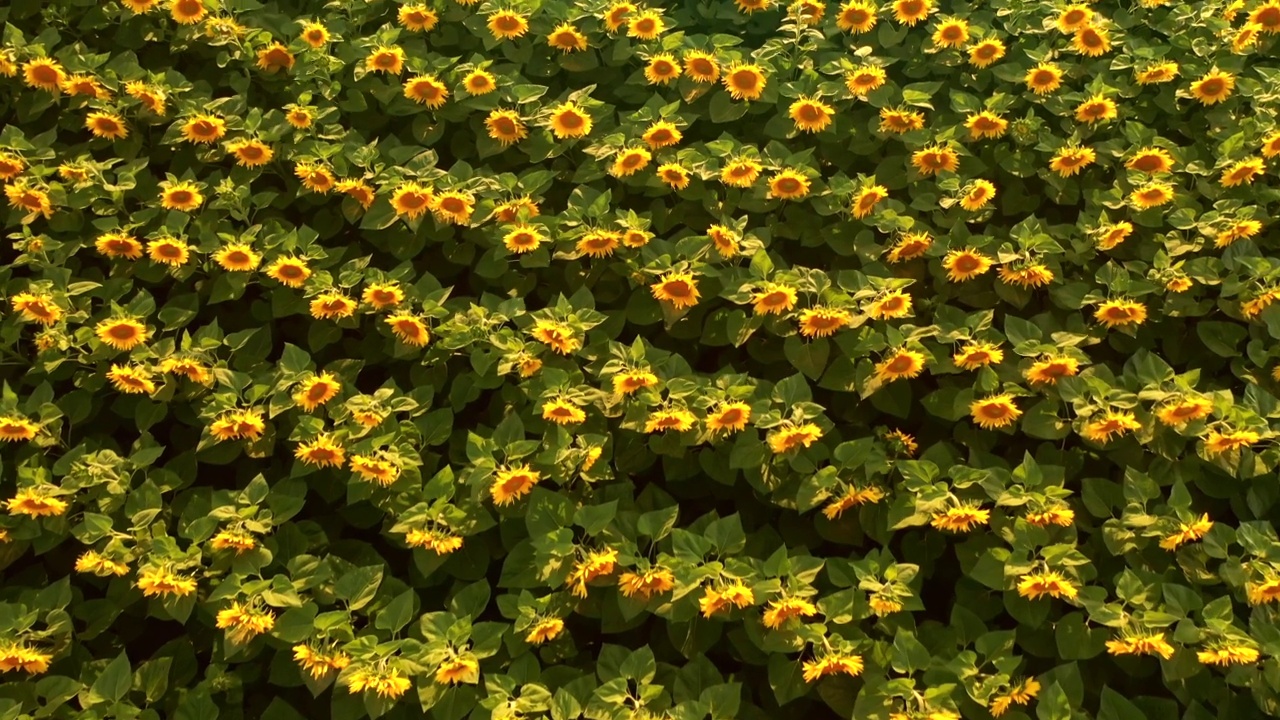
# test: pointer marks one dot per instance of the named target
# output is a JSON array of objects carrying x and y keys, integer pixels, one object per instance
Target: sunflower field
[{"x": 640, "y": 359}]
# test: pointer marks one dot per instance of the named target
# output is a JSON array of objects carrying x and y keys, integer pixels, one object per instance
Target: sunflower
[
  {"x": 598, "y": 243},
  {"x": 36, "y": 308},
  {"x": 865, "y": 79},
  {"x": 250, "y": 153},
  {"x": 728, "y": 417},
  {"x": 633, "y": 381},
  {"x": 374, "y": 470},
  {"x": 1218, "y": 442},
  {"x": 662, "y": 134},
  {"x": 35, "y": 502},
  {"x": 964, "y": 265},
  {"x": 985, "y": 124},
  {"x": 505, "y": 126},
  {"x": 629, "y": 161},
  {"x": 11, "y": 166},
  {"x": 1110, "y": 236},
  {"x": 332, "y": 306},
  {"x": 289, "y": 271},
  {"x": 131, "y": 379},
  {"x": 151, "y": 98},
  {"x": 454, "y": 207},
  {"x": 316, "y": 391},
  {"x": 856, "y": 16},
  {"x": 1071, "y": 159},
  {"x": 299, "y": 117},
  {"x": 864, "y": 203},
  {"x": 647, "y": 25},
  {"x": 1245, "y": 38},
  {"x": 512, "y": 483},
  {"x": 744, "y": 82},
  {"x": 977, "y": 194},
  {"x": 322, "y": 451},
  {"x": 890, "y": 306},
  {"x": 1178, "y": 284},
  {"x": 567, "y": 38},
  {"x": 507, "y": 25},
  {"x": 315, "y": 178},
  {"x": 823, "y": 321},
  {"x": 123, "y": 333},
  {"x": 479, "y": 82},
  {"x": 961, "y": 518},
  {"x": 1152, "y": 194},
  {"x": 1151, "y": 160},
  {"x": 1054, "y": 584},
  {"x": 315, "y": 35},
  {"x": 1270, "y": 146},
  {"x": 1111, "y": 423},
  {"x": 901, "y": 364},
  {"x": 910, "y": 246},
  {"x": 187, "y": 12},
  {"x": 522, "y": 239},
  {"x": 951, "y": 33},
  {"x": 206, "y": 129},
  {"x": 1214, "y": 87},
  {"x": 986, "y": 53},
  {"x": 662, "y": 69},
  {"x": 169, "y": 251},
  {"x": 677, "y": 419},
  {"x": 996, "y": 411},
  {"x": 899, "y": 121},
  {"x": 790, "y": 436},
  {"x": 383, "y": 295},
  {"x": 417, "y": 18},
  {"x": 106, "y": 125},
  {"x": 183, "y": 195},
  {"x": 1157, "y": 73},
  {"x": 33, "y": 200},
  {"x": 774, "y": 299},
  {"x": 385, "y": 59},
  {"x": 673, "y": 175},
  {"x": 412, "y": 200},
  {"x": 1116, "y": 313},
  {"x": 562, "y": 412},
  {"x": 1060, "y": 516},
  {"x": 975, "y": 355},
  {"x": 555, "y": 335},
  {"x": 139, "y": 7},
  {"x": 616, "y": 16},
  {"x": 788, "y": 184},
  {"x": 509, "y": 212},
  {"x": 678, "y": 288},
  {"x": 570, "y": 120},
  {"x": 749, "y": 7},
  {"x": 191, "y": 369},
  {"x": 1267, "y": 17},
  {"x": 740, "y": 173},
  {"x": 725, "y": 240},
  {"x": 426, "y": 90},
  {"x": 1237, "y": 230},
  {"x": 44, "y": 73},
  {"x": 1043, "y": 78},
  {"x": 1051, "y": 369},
  {"x": 935, "y": 159},
  {"x": 1242, "y": 172},
  {"x": 910, "y": 12},
  {"x": 1184, "y": 410},
  {"x": 274, "y": 58},
  {"x": 1226, "y": 655},
  {"x": 1095, "y": 109},
  {"x": 701, "y": 67},
  {"x": 408, "y": 329},
  {"x": 1091, "y": 41},
  {"x": 1073, "y": 18},
  {"x": 811, "y": 115},
  {"x": 118, "y": 245}
]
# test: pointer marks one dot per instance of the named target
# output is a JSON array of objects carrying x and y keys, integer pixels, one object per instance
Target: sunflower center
[
  {"x": 315, "y": 36},
  {"x": 1117, "y": 313},
  {"x": 522, "y": 239},
  {"x": 203, "y": 128},
  {"x": 662, "y": 67},
  {"x": 1268, "y": 17},
  {"x": 985, "y": 51},
  {"x": 967, "y": 263},
  {"x": 479, "y": 82},
  {"x": 322, "y": 454},
  {"x": 507, "y": 23},
  {"x": 44, "y": 74},
  {"x": 744, "y": 80},
  {"x": 901, "y": 363},
  {"x": 122, "y": 332},
  {"x": 701, "y": 66},
  {"x": 774, "y": 299},
  {"x": 995, "y": 412},
  {"x": 979, "y": 356},
  {"x": 251, "y": 152},
  {"x": 730, "y": 416},
  {"x": 632, "y": 159},
  {"x": 912, "y": 8},
  {"x": 661, "y": 135},
  {"x": 677, "y": 288},
  {"x": 811, "y": 113},
  {"x": 644, "y": 25},
  {"x": 290, "y": 272},
  {"x": 107, "y": 124},
  {"x": 562, "y": 411},
  {"x": 169, "y": 251},
  {"x": 413, "y": 200},
  {"x": 788, "y": 185},
  {"x": 822, "y": 322},
  {"x": 1091, "y": 38},
  {"x": 384, "y": 60},
  {"x": 1212, "y": 86},
  {"x": 1043, "y": 77},
  {"x": 317, "y": 392},
  {"x": 504, "y": 126},
  {"x": 1073, "y": 17},
  {"x": 452, "y": 205},
  {"x": 951, "y": 32},
  {"x": 188, "y": 8},
  {"x": 570, "y": 120},
  {"x": 181, "y": 197}
]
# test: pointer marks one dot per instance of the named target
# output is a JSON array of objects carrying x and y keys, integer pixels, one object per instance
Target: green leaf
[
  {"x": 358, "y": 586},
  {"x": 809, "y": 357},
  {"x": 397, "y": 613},
  {"x": 1114, "y": 706},
  {"x": 114, "y": 682},
  {"x": 1222, "y": 338}
]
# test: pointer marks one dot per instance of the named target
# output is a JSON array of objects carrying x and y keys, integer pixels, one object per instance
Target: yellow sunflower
[
  {"x": 479, "y": 82},
  {"x": 741, "y": 173},
  {"x": 206, "y": 129},
  {"x": 865, "y": 79},
  {"x": 745, "y": 82},
  {"x": 910, "y": 246},
  {"x": 856, "y": 16},
  {"x": 866, "y": 199},
  {"x": 678, "y": 288},
  {"x": 1071, "y": 159},
  {"x": 1242, "y": 172},
  {"x": 183, "y": 195},
  {"x": 935, "y": 159},
  {"x": 646, "y": 25},
  {"x": 964, "y": 265},
  {"x": 977, "y": 195},
  {"x": 811, "y": 115},
  {"x": 567, "y": 38},
  {"x": 426, "y": 90},
  {"x": 1117, "y": 313},
  {"x": 417, "y": 18},
  {"x": 986, "y": 53},
  {"x": 1151, "y": 160},
  {"x": 701, "y": 67},
  {"x": 289, "y": 271},
  {"x": 774, "y": 299},
  {"x": 570, "y": 120},
  {"x": 1214, "y": 87},
  {"x": 1096, "y": 109},
  {"x": 1091, "y": 41},
  {"x": 951, "y": 33},
  {"x": 106, "y": 125},
  {"x": 985, "y": 124},
  {"x": 662, "y": 69},
  {"x": 788, "y": 184},
  {"x": 505, "y": 126},
  {"x": 387, "y": 59},
  {"x": 1043, "y": 78},
  {"x": 975, "y": 355},
  {"x": 899, "y": 365},
  {"x": 823, "y": 321},
  {"x": 1152, "y": 194},
  {"x": 911, "y": 12},
  {"x": 44, "y": 73},
  {"x": 996, "y": 411}
]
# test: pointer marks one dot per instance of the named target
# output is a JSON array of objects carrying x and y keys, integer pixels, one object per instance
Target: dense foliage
[{"x": 905, "y": 360}]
